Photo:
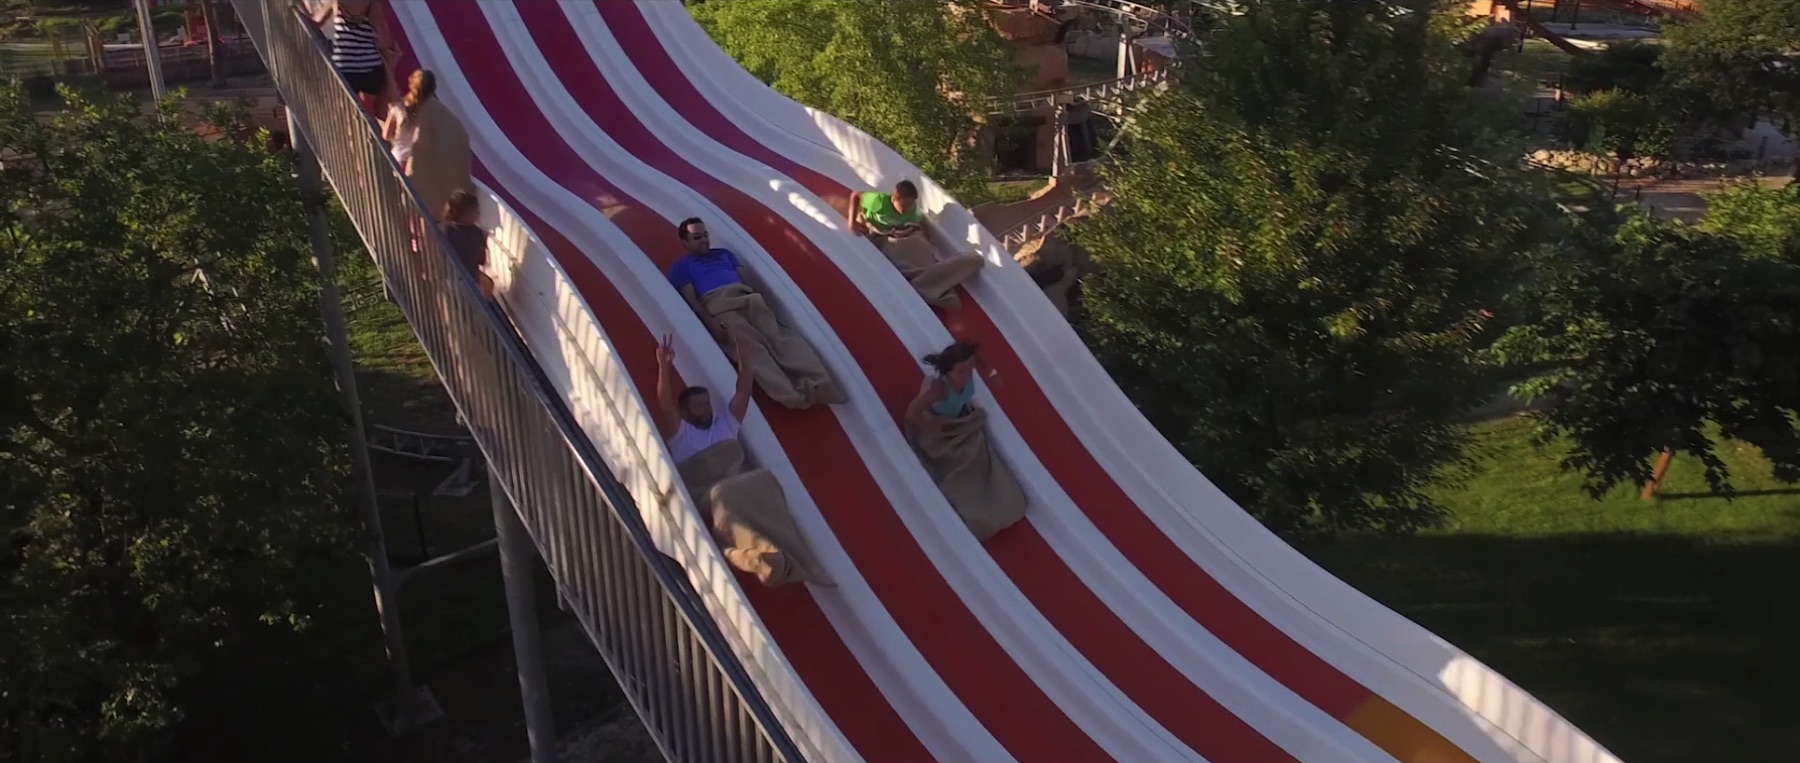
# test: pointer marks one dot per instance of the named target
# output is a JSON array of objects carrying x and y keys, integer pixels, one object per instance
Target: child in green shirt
[{"x": 887, "y": 215}]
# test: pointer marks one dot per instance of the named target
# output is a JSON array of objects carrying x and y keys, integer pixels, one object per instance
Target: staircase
[{"x": 636, "y": 605}]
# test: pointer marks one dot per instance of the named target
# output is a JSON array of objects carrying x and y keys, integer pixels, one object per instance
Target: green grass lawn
[
  {"x": 1667, "y": 630},
  {"x": 1538, "y": 61},
  {"x": 1010, "y": 191},
  {"x": 396, "y": 382}
]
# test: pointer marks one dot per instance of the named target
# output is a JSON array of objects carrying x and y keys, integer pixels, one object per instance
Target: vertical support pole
[
  {"x": 1524, "y": 30},
  {"x": 516, "y": 554},
  {"x": 410, "y": 708},
  {"x": 1124, "y": 67},
  {"x": 152, "y": 54}
]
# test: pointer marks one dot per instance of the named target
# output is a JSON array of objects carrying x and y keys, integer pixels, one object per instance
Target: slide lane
[
  {"x": 499, "y": 103},
  {"x": 1125, "y": 735},
  {"x": 1463, "y": 700},
  {"x": 795, "y": 618},
  {"x": 1179, "y": 706},
  {"x": 1041, "y": 425}
]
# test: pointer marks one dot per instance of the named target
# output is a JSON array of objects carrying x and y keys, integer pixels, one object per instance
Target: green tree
[
  {"x": 170, "y": 461},
  {"x": 1744, "y": 55},
  {"x": 1660, "y": 338},
  {"x": 915, "y": 75},
  {"x": 1765, "y": 220},
  {"x": 1305, "y": 242}
]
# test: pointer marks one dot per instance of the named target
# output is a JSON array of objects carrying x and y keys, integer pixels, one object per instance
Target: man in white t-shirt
[{"x": 688, "y": 421}]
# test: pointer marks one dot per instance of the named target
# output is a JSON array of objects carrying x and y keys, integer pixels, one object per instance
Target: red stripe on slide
[
  {"x": 791, "y": 614},
  {"x": 1082, "y": 477},
  {"x": 1078, "y": 614},
  {"x": 974, "y": 665}
]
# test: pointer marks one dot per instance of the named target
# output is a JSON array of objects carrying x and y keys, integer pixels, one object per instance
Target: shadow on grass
[
  {"x": 1722, "y": 498},
  {"x": 1666, "y": 649},
  {"x": 310, "y": 696}
]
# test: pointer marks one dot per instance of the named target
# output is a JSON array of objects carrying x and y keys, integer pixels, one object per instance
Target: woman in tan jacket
[{"x": 429, "y": 142}]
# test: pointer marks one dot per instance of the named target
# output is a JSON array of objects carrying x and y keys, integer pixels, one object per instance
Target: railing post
[
  {"x": 516, "y": 554},
  {"x": 410, "y": 706}
]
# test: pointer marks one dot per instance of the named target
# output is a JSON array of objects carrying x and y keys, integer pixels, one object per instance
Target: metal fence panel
[{"x": 635, "y": 604}]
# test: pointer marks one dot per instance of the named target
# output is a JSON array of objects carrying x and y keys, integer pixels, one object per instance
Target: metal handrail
[
  {"x": 1037, "y": 100},
  {"x": 636, "y": 605},
  {"x": 1043, "y": 224}
]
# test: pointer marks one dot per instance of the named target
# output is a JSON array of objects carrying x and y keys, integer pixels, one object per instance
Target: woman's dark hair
[
  {"x": 461, "y": 202},
  {"x": 950, "y": 357},
  {"x": 419, "y": 89}
]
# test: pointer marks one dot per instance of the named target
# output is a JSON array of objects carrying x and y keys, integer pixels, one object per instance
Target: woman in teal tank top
[
  {"x": 950, "y": 435},
  {"x": 949, "y": 390}
]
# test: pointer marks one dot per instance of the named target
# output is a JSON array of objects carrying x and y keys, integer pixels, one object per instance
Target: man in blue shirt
[
  {"x": 702, "y": 270},
  {"x": 713, "y": 284}
]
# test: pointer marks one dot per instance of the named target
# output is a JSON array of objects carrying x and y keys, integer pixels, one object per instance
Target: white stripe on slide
[
  {"x": 1299, "y": 727},
  {"x": 1205, "y": 509},
  {"x": 625, "y": 78},
  {"x": 854, "y": 612},
  {"x": 652, "y": 281},
  {"x": 522, "y": 49},
  {"x": 551, "y": 94}
]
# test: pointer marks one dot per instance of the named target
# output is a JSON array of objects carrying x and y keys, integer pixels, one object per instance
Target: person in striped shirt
[{"x": 362, "y": 49}]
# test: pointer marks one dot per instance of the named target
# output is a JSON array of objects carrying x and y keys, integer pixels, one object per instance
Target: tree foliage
[
  {"x": 1302, "y": 251},
  {"x": 170, "y": 454},
  {"x": 1652, "y": 335},
  {"x": 1766, "y": 221},
  {"x": 915, "y": 75},
  {"x": 1744, "y": 56}
]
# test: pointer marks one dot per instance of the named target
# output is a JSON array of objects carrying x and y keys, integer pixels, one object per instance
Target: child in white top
[{"x": 401, "y": 128}]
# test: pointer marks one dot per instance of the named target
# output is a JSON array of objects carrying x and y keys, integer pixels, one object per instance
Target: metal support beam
[
  {"x": 410, "y": 706},
  {"x": 516, "y": 555},
  {"x": 152, "y": 52},
  {"x": 1124, "y": 67},
  {"x": 439, "y": 562}
]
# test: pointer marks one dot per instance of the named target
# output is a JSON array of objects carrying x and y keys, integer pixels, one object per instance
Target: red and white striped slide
[{"x": 1135, "y": 615}]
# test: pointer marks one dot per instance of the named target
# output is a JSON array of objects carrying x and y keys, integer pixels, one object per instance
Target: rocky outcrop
[{"x": 1641, "y": 166}]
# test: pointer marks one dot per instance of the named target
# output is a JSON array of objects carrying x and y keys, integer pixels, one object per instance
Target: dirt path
[{"x": 1684, "y": 198}]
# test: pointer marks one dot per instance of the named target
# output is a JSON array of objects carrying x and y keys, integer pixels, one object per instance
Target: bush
[
  {"x": 1633, "y": 67},
  {"x": 1620, "y": 123}
]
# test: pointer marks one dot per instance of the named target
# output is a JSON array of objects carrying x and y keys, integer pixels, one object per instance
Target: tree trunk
[
  {"x": 209, "y": 11},
  {"x": 1656, "y": 475}
]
